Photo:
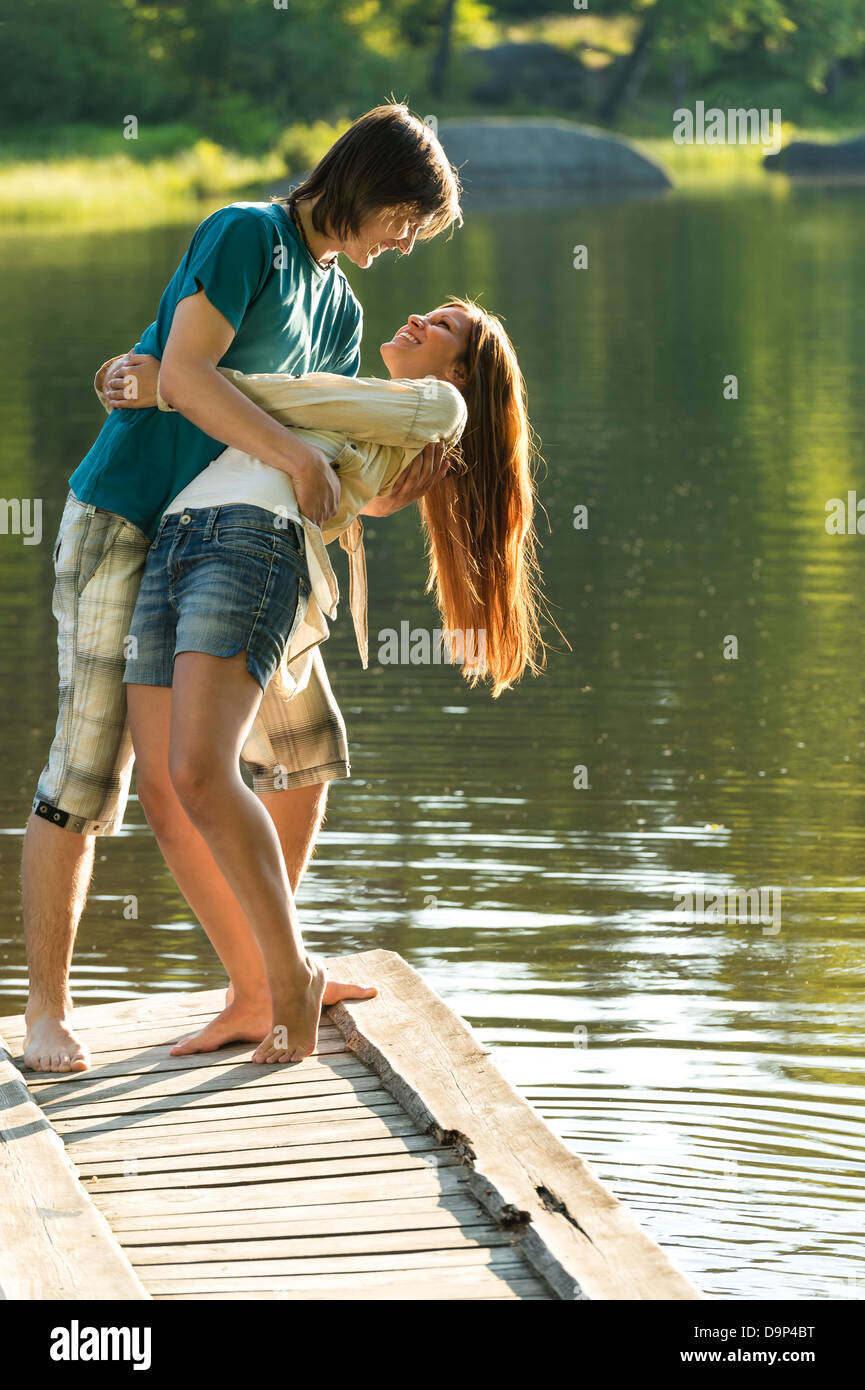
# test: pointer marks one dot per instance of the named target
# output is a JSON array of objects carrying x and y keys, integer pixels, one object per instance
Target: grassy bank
[{"x": 87, "y": 174}]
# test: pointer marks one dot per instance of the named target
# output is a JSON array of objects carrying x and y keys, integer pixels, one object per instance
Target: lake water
[{"x": 710, "y": 1071}]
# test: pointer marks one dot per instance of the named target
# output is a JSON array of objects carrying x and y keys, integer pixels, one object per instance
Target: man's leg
[
  {"x": 298, "y": 815},
  {"x": 55, "y": 873},
  {"x": 98, "y": 559}
]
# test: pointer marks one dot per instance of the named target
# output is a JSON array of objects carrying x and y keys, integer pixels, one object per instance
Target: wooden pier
[{"x": 396, "y": 1163}]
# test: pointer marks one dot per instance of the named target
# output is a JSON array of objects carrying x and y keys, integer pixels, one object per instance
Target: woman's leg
[
  {"x": 213, "y": 706},
  {"x": 247, "y": 1015},
  {"x": 198, "y": 877}
]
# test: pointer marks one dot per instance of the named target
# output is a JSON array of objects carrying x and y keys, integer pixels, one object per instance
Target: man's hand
[
  {"x": 316, "y": 483},
  {"x": 424, "y": 471},
  {"x": 130, "y": 382}
]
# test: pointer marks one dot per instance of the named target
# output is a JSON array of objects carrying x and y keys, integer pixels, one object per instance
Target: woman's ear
[{"x": 457, "y": 375}]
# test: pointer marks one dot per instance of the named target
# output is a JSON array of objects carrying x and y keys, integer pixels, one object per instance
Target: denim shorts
[{"x": 219, "y": 580}]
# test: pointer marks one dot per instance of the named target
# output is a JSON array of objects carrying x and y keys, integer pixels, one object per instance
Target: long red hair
[{"x": 479, "y": 520}]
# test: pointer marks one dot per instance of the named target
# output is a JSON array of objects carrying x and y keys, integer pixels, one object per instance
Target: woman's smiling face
[{"x": 433, "y": 344}]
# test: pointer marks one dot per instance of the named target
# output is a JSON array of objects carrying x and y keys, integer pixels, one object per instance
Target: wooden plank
[
  {"x": 423, "y": 1284},
  {"x": 476, "y": 1289},
  {"x": 418, "y": 1180},
  {"x": 267, "y": 1173},
  {"x": 106, "y": 1104},
  {"x": 336, "y": 1109},
  {"x": 349, "y": 1218},
  {"x": 54, "y": 1243},
  {"x": 496, "y": 1259},
  {"x": 150, "y": 1060},
  {"x": 113, "y": 1080},
  {"x": 213, "y": 1161},
  {"x": 169, "y": 1149},
  {"x": 321, "y": 1246},
  {"x": 578, "y": 1235}
]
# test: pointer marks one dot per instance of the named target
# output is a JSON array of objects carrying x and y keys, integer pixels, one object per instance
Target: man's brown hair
[{"x": 386, "y": 159}]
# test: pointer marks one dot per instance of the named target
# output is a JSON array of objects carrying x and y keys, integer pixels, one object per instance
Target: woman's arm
[
  {"x": 191, "y": 382},
  {"x": 403, "y": 413}
]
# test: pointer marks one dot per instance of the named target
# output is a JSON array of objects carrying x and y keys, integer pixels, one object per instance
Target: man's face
[{"x": 393, "y": 229}]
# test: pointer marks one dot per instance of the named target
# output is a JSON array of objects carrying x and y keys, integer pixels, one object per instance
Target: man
[{"x": 259, "y": 289}]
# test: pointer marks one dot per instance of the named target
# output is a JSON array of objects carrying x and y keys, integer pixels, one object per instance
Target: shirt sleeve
[
  {"x": 230, "y": 257},
  {"x": 405, "y": 413}
]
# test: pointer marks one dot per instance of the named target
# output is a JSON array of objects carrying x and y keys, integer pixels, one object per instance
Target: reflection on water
[{"x": 710, "y": 1070}]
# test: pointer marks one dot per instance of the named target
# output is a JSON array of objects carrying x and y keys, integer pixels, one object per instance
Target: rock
[
  {"x": 501, "y": 152},
  {"x": 809, "y": 157},
  {"x": 531, "y": 72}
]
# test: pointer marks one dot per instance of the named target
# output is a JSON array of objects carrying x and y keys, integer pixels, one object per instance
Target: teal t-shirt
[{"x": 289, "y": 315}]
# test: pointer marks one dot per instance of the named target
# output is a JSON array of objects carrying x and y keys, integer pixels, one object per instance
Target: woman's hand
[
  {"x": 316, "y": 483},
  {"x": 130, "y": 382},
  {"x": 424, "y": 471}
]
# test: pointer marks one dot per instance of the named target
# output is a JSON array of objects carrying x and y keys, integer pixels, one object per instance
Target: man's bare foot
[
  {"x": 50, "y": 1045},
  {"x": 296, "y": 1012},
  {"x": 250, "y": 1022}
]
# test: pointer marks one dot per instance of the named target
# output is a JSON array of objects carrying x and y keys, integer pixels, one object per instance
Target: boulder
[
  {"x": 504, "y": 152},
  {"x": 808, "y": 157}
]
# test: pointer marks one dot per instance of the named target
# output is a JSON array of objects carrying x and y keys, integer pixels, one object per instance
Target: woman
[{"x": 237, "y": 586}]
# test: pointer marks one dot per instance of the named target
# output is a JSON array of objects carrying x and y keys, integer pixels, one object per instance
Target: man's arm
[{"x": 191, "y": 382}]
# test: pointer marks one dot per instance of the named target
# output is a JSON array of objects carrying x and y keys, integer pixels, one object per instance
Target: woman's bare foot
[
  {"x": 250, "y": 1022},
  {"x": 50, "y": 1045},
  {"x": 334, "y": 992},
  {"x": 244, "y": 1021},
  {"x": 296, "y": 1012}
]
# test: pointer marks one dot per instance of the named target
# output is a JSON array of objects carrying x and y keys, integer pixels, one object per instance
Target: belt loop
[
  {"x": 211, "y": 522},
  {"x": 160, "y": 528}
]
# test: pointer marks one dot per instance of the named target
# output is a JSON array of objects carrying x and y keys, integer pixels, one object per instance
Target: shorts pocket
[{"x": 95, "y": 546}]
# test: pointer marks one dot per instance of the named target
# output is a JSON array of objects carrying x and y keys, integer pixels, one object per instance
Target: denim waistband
[{"x": 204, "y": 519}]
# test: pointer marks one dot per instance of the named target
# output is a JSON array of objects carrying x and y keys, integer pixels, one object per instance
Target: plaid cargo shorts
[{"x": 98, "y": 562}]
